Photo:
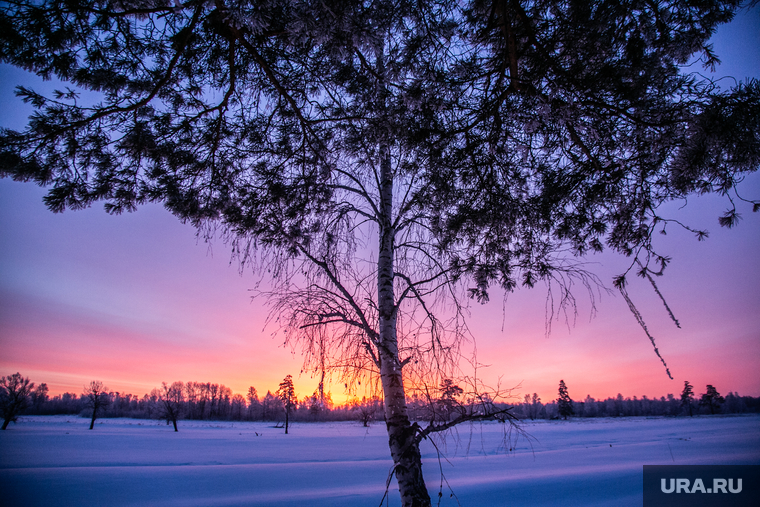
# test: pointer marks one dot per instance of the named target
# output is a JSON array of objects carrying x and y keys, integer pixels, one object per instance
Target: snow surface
[{"x": 56, "y": 461}]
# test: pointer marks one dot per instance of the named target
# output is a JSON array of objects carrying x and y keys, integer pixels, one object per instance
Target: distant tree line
[
  {"x": 210, "y": 401},
  {"x": 619, "y": 406},
  {"x": 711, "y": 402},
  {"x": 531, "y": 408},
  {"x": 182, "y": 400}
]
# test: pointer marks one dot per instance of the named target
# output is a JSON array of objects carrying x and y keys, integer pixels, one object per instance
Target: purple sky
[{"x": 136, "y": 299}]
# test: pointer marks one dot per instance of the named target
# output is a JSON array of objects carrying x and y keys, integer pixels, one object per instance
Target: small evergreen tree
[
  {"x": 711, "y": 399},
  {"x": 448, "y": 402},
  {"x": 287, "y": 395},
  {"x": 687, "y": 397},
  {"x": 564, "y": 402}
]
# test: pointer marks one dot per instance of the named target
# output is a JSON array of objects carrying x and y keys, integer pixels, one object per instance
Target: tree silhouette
[
  {"x": 96, "y": 398},
  {"x": 287, "y": 395},
  {"x": 171, "y": 399},
  {"x": 254, "y": 404},
  {"x": 15, "y": 392},
  {"x": 687, "y": 397},
  {"x": 448, "y": 402},
  {"x": 532, "y": 405},
  {"x": 270, "y": 406},
  {"x": 238, "y": 407},
  {"x": 564, "y": 402},
  {"x": 39, "y": 396},
  {"x": 367, "y": 409},
  {"x": 385, "y": 160},
  {"x": 711, "y": 399}
]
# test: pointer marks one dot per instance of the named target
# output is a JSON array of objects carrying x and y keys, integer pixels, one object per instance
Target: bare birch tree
[
  {"x": 96, "y": 399},
  {"x": 171, "y": 400}
]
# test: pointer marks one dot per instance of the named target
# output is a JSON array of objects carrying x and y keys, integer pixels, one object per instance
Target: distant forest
[{"x": 210, "y": 401}]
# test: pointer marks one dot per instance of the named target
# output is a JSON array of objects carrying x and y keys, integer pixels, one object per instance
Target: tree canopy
[
  {"x": 96, "y": 398},
  {"x": 711, "y": 399},
  {"x": 380, "y": 157},
  {"x": 15, "y": 394},
  {"x": 526, "y": 126}
]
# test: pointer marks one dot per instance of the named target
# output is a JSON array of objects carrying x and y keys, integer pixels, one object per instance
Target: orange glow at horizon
[
  {"x": 192, "y": 319},
  {"x": 137, "y": 299}
]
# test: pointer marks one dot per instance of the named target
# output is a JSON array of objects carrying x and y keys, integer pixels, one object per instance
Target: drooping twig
[
  {"x": 620, "y": 283},
  {"x": 662, "y": 298},
  {"x": 388, "y": 484},
  {"x": 443, "y": 477}
]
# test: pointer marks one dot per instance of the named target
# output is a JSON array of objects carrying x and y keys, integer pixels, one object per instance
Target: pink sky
[{"x": 136, "y": 299}]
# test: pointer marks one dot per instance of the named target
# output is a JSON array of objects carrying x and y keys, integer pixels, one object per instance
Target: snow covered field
[{"x": 53, "y": 461}]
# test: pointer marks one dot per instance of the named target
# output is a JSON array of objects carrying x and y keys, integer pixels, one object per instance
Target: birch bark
[{"x": 405, "y": 450}]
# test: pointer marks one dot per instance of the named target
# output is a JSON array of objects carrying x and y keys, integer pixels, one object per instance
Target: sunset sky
[{"x": 137, "y": 299}]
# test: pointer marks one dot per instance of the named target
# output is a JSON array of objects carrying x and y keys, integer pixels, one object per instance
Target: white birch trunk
[{"x": 401, "y": 434}]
